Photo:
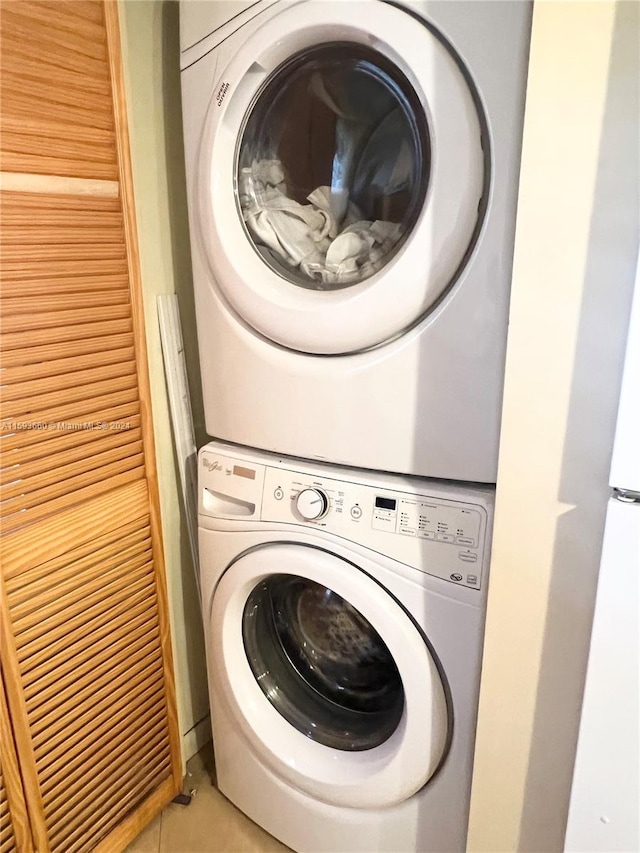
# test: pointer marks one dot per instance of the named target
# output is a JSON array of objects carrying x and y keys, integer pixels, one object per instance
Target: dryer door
[
  {"x": 328, "y": 677},
  {"x": 341, "y": 175}
]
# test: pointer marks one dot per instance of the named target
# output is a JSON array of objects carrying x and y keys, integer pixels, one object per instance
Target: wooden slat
[
  {"x": 81, "y": 211},
  {"x": 53, "y": 336},
  {"x": 68, "y": 116},
  {"x": 69, "y": 284},
  {"x": 49, "y": 204},
  {"x": 26, "y": 372},
  {"x": 39, "y": 70},
  {"x": 60, "y": 319},
  {"x": 51, "y": 254},
  {"x": 59, "y": 271},
  {"x": 26, "y": 444},
  {"x": 39, "y": 355},
  {"x": 36, "y": 126},
  {"x": 40, "y": 235}
]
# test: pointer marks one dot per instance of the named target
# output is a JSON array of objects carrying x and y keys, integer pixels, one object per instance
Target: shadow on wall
[
  {"x": 609, "y": 275},
  {"x": 177, "y": 190},
  {"x": 182, "y": 274}
]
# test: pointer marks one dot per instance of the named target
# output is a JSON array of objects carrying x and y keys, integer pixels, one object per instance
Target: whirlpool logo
[{"x": 211, "y": 464}]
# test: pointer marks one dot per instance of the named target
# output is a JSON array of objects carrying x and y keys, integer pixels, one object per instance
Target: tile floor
[{"x": 210, "y": 824}]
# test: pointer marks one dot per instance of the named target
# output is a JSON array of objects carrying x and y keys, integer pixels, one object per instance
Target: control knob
[{"x": 312, "y": 504}]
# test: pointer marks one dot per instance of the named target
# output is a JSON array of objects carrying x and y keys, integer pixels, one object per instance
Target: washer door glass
[
  {"x": 333, "y": 165},
  {"x": 321, "y": 664}
]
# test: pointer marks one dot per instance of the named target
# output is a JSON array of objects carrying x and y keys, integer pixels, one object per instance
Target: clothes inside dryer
[
  {"x": 321, "y": 664},
  {"x": 333, "y": 165}
]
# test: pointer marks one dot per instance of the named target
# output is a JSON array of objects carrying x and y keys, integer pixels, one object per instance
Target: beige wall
[
  {"x": 151, "y": 59},
  {"x": 576, "y": 243}
]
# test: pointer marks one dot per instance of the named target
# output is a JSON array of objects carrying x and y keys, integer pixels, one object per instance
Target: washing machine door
[
  {"x": 329, "y": 679},
  {"x": 341, "y": 175}
]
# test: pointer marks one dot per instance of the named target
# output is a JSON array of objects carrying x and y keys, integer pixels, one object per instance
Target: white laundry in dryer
[
  {"x": 343, "y": 614},
  {"x": 352, "y": 175}
]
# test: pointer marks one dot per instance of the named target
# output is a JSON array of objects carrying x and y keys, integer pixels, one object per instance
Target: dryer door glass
[
  {"x": 333, "y": 165},
  {"x": 321, "y": 664}
]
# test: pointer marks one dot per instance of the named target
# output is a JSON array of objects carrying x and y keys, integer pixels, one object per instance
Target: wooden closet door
[{"x": 85, "y": 638}]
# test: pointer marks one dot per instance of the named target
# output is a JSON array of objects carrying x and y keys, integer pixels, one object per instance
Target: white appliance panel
[
  {"x": 433, "y": 628},
  {"x": 603, "y": 812},
  {"x": 428, "y": 402}
]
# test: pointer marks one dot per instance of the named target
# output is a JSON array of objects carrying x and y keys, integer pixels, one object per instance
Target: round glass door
[
  {"x": 341, "y": 176},
  {"x": 333, "y": 165},
  {"x": 321, "y": 664},
  {"x": 327, "y": 677}
]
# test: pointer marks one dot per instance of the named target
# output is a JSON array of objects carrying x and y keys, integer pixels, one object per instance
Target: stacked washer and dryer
[{"x": 352, "y": 172}]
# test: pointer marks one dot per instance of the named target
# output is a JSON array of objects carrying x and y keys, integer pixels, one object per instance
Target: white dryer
[
  {"x": 343, "y": 615},
  {"x": 352, "y": 174}
]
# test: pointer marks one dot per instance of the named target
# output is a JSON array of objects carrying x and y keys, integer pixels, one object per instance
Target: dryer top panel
[{"x": 201, "y": 18}]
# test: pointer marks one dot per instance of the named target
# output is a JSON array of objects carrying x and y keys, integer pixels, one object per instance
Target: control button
[
  {"x": 426, "y": 534},
  {"x": 407, "y": 531},
  {"x": 278, "y": 494},
  {"x": 312, "y": 504},
  {"x": 356, "y": 512},
  {"x": 456, "y": 577},
  {"x": 445, "y": 537},
  {"x": 468, "y": 556},
  {"x": 472, "y": 579},
  {"x": 465, "y": 540}
]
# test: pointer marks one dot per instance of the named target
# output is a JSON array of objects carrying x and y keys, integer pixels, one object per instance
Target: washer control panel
[{"x": 437, "y": 532}]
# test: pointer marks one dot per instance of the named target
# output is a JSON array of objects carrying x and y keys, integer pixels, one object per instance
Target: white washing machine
[
  {"x": 352, "y": 175},
  {"x": 344, "y": 615}
]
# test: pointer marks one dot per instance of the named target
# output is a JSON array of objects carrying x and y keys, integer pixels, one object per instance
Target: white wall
[
  {"x": 151, "y": 64},
  {"x": 576, "y": 242}
]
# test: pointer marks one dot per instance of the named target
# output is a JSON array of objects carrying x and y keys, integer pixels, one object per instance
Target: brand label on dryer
[{"x": 221, "y": 93}]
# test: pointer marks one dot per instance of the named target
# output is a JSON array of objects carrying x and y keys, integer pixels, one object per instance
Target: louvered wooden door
[{"x": 85, "y": 638}]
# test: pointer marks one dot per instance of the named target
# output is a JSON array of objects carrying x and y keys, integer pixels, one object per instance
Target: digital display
[
  {"x": 385, "y": 503},
  {"x": 247, "y": 473}
]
